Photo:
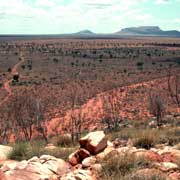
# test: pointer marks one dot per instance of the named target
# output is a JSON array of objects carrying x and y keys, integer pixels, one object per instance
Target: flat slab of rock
[{"x": 94, "y": 142}]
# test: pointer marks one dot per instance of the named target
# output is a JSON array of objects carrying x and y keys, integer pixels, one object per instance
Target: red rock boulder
[
  {"x": 94, "y": 142},
  {"x": 78, "y": 156}
]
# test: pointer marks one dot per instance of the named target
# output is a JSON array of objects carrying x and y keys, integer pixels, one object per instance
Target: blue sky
[{"x": 67, "y": 16}]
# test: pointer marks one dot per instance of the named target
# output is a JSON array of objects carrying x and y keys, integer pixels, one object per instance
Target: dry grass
[
  {"x": 136, "y": 176},
  {"x": 146, "y": 137},
  {"x": 62, "y": 153},
  {"x": 120, "y": 166},
  {"x": 126, "y": 168},
  {"x": 61, "y": 140},
  {"x": 26, "y": 150}
]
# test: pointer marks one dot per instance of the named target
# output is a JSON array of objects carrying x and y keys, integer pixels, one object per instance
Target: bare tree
[
  {"x": 27, "y": 114},
  {"x": 157, "y": 107},
  {"x": 73, "y": 96},
  {"x": 40, "y": 123},
  {"x": 174, "y": 86},
  {"x": 6, "y": 125},
  {"x": 76, "y": 114},
  {"x": 111, "y": 108},
  {"x": 79, "y": 121}
]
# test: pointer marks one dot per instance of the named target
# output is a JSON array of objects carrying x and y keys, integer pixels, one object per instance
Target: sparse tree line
[{"x": 24, "y": 116}]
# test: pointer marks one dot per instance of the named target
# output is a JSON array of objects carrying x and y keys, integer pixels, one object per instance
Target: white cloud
[
  {"x": 61, "y": 16},
  {"x": 176, "y": 20},
  {"x": 160, "y": 2},
  {"x": 45, "y": 3}
]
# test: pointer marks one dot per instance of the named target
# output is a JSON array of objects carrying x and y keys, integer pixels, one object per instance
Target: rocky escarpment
[{"x": 86, "y": 163}]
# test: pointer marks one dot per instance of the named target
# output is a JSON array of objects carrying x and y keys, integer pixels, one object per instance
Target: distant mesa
[
  {"x": 134, "y": 31},
  {"x": 147, "y": 31},
  {"x": 85, "y": 32},
  {"x": 143, "y": 29}
]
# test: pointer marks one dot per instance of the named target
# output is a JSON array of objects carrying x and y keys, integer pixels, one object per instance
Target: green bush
[
  {"x": 27, "y": 150},
  {"x": 140, "y": 64},
  {"x": 36, "y": 148},
  {"x": 9, "y": 70},
  {"x": 19, "y": 152}
]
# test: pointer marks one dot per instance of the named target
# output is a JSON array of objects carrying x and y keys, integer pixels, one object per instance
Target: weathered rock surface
[
  {"x": 4, "y": 152},
  {"x": 119, "y": 142},
  {"x": 78, "y": 156},
  {"x": 79, "y": 175},
  {"x": 174, "y": 176},
  {"x": 108, "y": 152},
  {"x": 88, "y": 162},
  {"x": 94, "y": 142},
  {"x": 45, "y": 167},
  {"x": 50, "y": 147},
  {"x": 97, "y": 168},
  {"x": 166, "y": 166}
]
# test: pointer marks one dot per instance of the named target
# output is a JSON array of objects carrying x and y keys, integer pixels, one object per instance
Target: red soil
[
  {"x": 133, "y": 98},
  {"x": 6, "y": 84}
]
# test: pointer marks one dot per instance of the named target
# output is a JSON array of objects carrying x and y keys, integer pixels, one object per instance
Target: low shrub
[
  {"x": 62, "y": 153},
  {"x": 146, "y": 140},
  {"x": 121, "y": 166},
  {"x": 36, "y": 148},
  {"x": 26, "y": 150},
  {"x": 173, "y": 136},
  {"x": 19, "y": 152},
  {"x": 153, "y": 176},
  {"x": 61, "y": 140},
  {"x": 147, "y": 137}
]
